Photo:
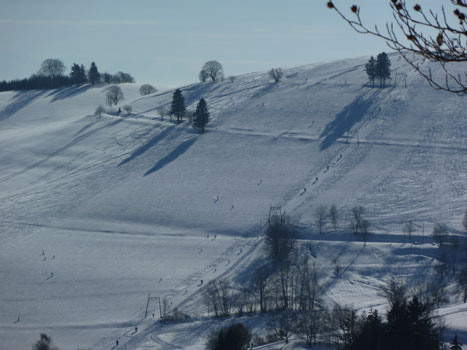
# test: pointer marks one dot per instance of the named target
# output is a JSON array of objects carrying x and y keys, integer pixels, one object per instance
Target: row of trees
[
  {"x": 52, "y": 75},
  {"x": 290, "y": 282},
  {"x": 285, "y": 282},
  {"x": 379, "y": 69},
  {"x": 288, "y": 288},
  {"x": 408, "y": 324}
]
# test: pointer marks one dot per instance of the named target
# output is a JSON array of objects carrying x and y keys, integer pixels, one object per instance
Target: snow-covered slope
[{"x": 99, "y": 212}]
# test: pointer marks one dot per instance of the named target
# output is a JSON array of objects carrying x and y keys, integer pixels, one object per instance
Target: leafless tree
[
  {"x": 344, "y": 324},
  {"x": 99, "y": 110},
  {"x": 162, "y": 112},
  {"x": 282, "y": 324},
  {"x": 462, "y": 283},
  {"x": 280, "y": 241},
  {"x": 356, "y": 218},
  {"x": 276, "y": 74},
  {"x": 438, "y": 234},
  {"x": 333, "y": 215},
  {"x": 147, "y": 89},
  {"x": 213, "y": 70},
  {"x": 464, "y": 220},
  {"x": 114, "y": 95},
  {"x": 320, "y": 214},
  {"x": 395, "y": 292},
  {"x": 218, "y": 295},
  {"x": 431, "y": 34},
  {"x": 52, "y": 68},
  {"x": 308, "y": 288},
  {"x": 365, "y": 230},
  {"x": 260, "y": 286},
  {"x": 281, "y": 235},
  {"x": 308, "y": 325},
  {"x": 409, "y": 228}
]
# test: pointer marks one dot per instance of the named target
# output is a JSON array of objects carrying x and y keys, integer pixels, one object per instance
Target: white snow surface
[{"x": 97, "y": 213}]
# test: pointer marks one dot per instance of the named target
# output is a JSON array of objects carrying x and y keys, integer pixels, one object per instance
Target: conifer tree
[
  {"x": 201, "y": 116},
  {"x": 78, "y": 74},
  {"x": 93, "y": 74},
  {"x": 382, "y": 69},
  {"x": 370, "y": 69},
  {"x": 178, "y": 105}
]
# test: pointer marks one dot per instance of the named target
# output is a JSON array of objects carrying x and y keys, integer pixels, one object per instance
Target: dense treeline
[{"x": 51, "y": 76}]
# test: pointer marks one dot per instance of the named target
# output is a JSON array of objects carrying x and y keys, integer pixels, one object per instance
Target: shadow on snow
[
  {"x": 148, "y": 145},
  {"x": 21, "y": 100},
  {"x": 345, "y": 120},
  {"x": 177, "y": 152}
]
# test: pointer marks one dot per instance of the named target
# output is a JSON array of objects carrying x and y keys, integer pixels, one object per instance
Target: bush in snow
[
  {"x": 44, "y": 343},
  {"x": 276, "y": 74},
  {"x": 99, "y": 110},
  {"x": 147, "y": 89}
]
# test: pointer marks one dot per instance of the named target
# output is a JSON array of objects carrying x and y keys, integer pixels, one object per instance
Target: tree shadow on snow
[
  {"x": 67, "y": 92},
  {"x": 140, "y": 150},
  {"x": 21, "y": 100},
  {"x": 177, "y": 152},
  {"x": 345, "y": 120}
]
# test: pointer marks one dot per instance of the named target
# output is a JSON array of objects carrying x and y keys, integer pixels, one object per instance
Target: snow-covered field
[{"x": 97, "y": 213}]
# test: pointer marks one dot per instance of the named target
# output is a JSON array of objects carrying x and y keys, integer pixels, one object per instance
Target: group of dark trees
[
  {"x": 379, "y": 69},
  {"x": 200, "y": 117},
  {"x": 52, "y": 75},
  {"x": 234, "y": 337},
  {"x": 44, "y": 343}
]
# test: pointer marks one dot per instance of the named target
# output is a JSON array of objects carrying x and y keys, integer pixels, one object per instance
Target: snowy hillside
[{"x": 99, "y": 212}]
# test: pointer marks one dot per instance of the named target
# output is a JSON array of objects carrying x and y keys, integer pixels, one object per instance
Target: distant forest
[{"x": 51, "y": 75}]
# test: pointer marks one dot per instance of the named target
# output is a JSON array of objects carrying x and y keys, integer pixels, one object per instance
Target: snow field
[{"x": 123, "y": 201}]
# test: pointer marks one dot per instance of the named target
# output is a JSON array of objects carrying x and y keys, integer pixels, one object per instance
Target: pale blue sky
[{"x": 167, "y": 42}]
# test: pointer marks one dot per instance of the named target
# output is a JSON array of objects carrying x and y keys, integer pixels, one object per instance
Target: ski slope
[{"x": 97, "y": 213}]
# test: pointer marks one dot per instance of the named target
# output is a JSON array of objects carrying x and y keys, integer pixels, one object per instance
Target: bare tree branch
[{"x": 444, "y": 42}]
